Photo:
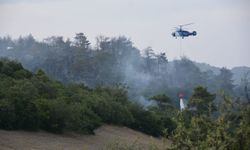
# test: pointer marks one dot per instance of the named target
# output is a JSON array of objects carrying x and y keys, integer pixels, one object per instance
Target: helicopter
[{"x": 179, "y": 32}]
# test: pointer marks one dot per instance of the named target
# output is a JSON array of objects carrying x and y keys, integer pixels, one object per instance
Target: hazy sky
[{"x": 223, "y": 26}]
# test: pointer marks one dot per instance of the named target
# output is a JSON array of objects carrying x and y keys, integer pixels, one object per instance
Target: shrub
[{"x": 146, "y": 121}]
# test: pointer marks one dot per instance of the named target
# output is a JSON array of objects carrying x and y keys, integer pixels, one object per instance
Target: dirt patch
[{"x": 22, "y": 140}]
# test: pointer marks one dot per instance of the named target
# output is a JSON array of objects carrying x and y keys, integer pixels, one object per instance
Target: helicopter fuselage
[{"x": 183, "y": 33}]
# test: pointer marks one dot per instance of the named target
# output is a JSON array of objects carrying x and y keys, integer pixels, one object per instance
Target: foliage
[
  {"x": 146, "y": 121},
  {"x": 202, "y": 102},
  {"x": 229, "y": 129},
  {"x": 33, "y": 101},
  {"x": 225, "y": 82},
  {"x": 111, "y": 61},
  {"x": 166, "y": 112},
  {"x": 161, "y": 100}
]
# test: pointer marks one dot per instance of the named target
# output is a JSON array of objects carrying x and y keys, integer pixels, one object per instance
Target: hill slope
[{"x": 104, "y": 136}]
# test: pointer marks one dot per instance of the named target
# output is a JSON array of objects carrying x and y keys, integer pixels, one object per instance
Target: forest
[
  {"x": 114, "y": 60},
  {"x": 58, "y": 85}
]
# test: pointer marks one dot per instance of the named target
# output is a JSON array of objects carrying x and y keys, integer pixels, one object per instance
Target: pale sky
[{"x": 223, "y": 26}]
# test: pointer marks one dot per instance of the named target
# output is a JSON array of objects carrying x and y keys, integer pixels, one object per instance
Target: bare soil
[{"x": 105, "y": 135}]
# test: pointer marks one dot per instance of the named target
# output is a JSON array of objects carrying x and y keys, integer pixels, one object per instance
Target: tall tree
[
  {"x": 81, "y": 41},
  {"x": 202, "y": 102},
  {"x": 224, "y": 81},
  {"x": 149, "y": 54}
]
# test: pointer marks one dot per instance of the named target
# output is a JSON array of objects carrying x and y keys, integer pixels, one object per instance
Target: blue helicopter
[{"x": 179, "y": 32}]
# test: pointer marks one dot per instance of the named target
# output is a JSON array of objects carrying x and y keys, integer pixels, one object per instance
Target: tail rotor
[{"x": 194, "y": 33}]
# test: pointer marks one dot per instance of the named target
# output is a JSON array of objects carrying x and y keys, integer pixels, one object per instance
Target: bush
[
  {"x": 7, "y": 115},
  {"x": 82, "y": 119},
  {"x": 52, "y": 115},
  {"x": 146, "y": 121},
  {"x": 21, "y": 96},
  {"x": 113, "y": 112}
]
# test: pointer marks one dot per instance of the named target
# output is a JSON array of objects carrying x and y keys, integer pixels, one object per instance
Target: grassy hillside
[{"x": 105, "y": 137}]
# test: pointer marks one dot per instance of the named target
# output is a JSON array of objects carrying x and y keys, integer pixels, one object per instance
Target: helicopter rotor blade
[
  {"x": 176, "y": 28},
  {"x": 185, "y": 24}
]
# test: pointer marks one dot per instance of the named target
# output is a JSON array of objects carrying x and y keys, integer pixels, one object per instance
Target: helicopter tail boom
[{"x": 194, "y": 33}]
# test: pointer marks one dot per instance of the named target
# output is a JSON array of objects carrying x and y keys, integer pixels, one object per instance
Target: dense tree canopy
[
  {"x": 33, "y": 101},
  {"x": 113, "y": 61}
]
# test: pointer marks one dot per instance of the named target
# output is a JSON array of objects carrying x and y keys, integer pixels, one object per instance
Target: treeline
[
  {"x": 115, "y": 60},
  {"x": 32, "y": 101}
]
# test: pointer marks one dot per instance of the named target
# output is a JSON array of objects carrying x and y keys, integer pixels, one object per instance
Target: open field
[{"x": 105, "y": 135}]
